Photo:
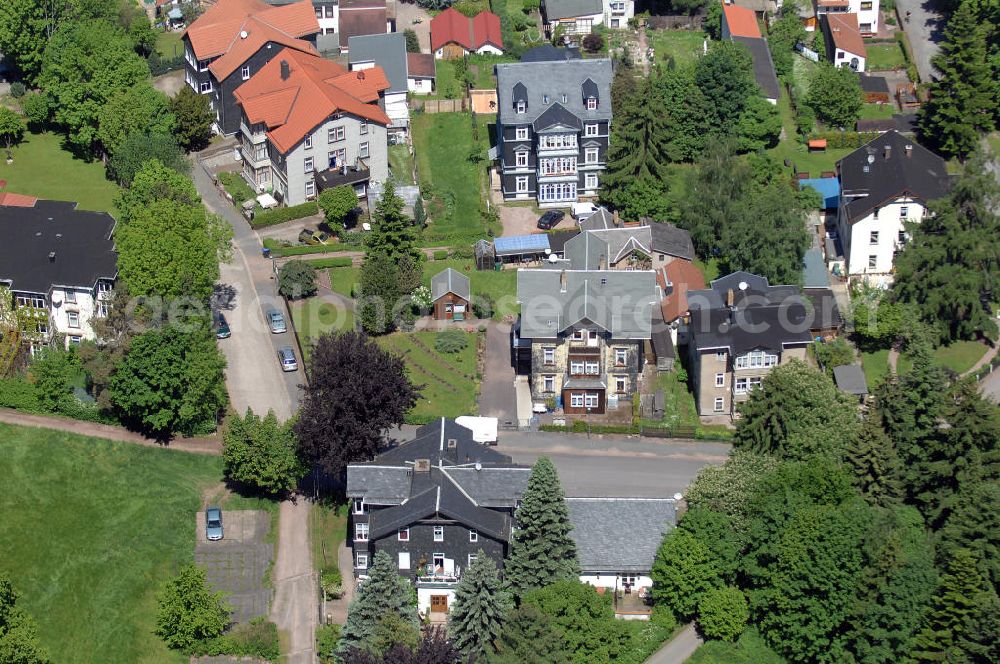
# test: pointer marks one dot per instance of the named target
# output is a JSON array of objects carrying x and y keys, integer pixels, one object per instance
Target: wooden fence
[{"x": 441, "y": 105}]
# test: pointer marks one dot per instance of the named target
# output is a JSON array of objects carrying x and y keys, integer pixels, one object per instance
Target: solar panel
[{"x": 521, "y": 244}]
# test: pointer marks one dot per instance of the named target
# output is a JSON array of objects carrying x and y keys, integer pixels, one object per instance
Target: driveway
[
  {"x": 924, "y": 30},
  {"x": 679, "y": 648},
  {"x": 296, "y": 591},
  {"x": 496, "y": 393},
  {"x": 236, "y": 564},
  {"x": 290, "y": 230},
  {"x": 406, "y": 13},
  {"x": 523, "y": 220}
]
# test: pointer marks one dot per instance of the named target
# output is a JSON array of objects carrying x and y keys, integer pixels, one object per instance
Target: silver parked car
[
  {"x": 276, "y": 322},
  {"x": 286, "y": 356},
  {"x": 213, "y": 524}
]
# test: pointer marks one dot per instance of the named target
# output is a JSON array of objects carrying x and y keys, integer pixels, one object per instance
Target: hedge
[
  {"x": 846, "y": 139},
  {"x": 279, "y": 250},
  {"x": 336, "y": 261},
  {"x": 441, "y": 254},
  {"x": 281, "y": 215}
]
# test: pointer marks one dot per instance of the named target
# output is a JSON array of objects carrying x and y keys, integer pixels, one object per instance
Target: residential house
[
  {"x": 235, "y": 39},
  {"x": 309, "y": 124},
  {"x": 387, "y": 51},
  {"x": 884, "y": 185},
  {"x": 327, "y": 15},
  {"x": 740, "y": 328},
  {"x": 455, "y": 35},
  {"x": 739, "y": 24},
  {"x": 421, "y": 73},
  {"x": 578, "y": 17},
  {"x": 867, "y": 12},
  {"x": 550, "y": 53},
  {"x": 826, "y": 321},
  {"x": 844, "y": 45},
  {"x": 451, "y": 295},
  {"x": 60, "y": 263},
  {"x": 617, "y": 540},
  {"x": 553, "y": 129},
  {"x": 433, "y": 504},
  {"x": 363, "y": 17},
  {"x": 586, "y": 325}
]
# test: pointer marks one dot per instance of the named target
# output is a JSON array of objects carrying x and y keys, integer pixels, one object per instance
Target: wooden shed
[{"x": 451, "y": 295}]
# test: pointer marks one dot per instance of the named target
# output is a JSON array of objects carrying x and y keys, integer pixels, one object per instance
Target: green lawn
[
  {"x": 683, "y": 45},
  {"x": 875, "y": 365},
  {"x": 450, "y": 382},
  {"x": 802, "y": 72},
  {"x": 401, "y": 164},
  {"x": 961, "y": 355},
  {"x": 446, "y": 85},
  {"x": 343, "y": 278},
  {"x": 882, "y": 57},
  {"x": 994, "y": 142},
  {"x": 90, "y": 531},
  {"x": 501, "y": 286},
  {"x": 168, "y": 43},
  {"x": 877, "y": 111},
  {"x": 814, "y": 163},
  {"x": 42, "y": 168},
  {"x": 313, "y": 317},
  {"x": 451, "y": 166}
]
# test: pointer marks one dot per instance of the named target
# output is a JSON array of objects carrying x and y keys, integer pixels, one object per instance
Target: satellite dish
[
  {"x": 548, "y": 251},
  {"x": 553, "y": 258},
  {"x": 678, "y": 496},
  {"x": 479, "y": 466},
  {"x": 744, "y": 285},
  {"x": 244, "y": 34},
  {"x": 871, "y": 159}
]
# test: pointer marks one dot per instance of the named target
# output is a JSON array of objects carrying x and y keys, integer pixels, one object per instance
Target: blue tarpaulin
[
  {"x": 827, "y": 188},
  {"x": 521, "y": 245}
]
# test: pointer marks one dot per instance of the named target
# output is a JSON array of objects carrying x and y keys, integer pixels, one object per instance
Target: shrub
[
  {"x": 297, "y": 279},
  {"x": 332, "y": 583},
  {"x": 258, "y": 638},
  {"x": 463, "y": 253},
  {"x": 281, "y": 215},
  {"x": 723, "y": 613},
  {"x": 440, "y": 254},
  {"x": 336, "y": 261},
  {"x": 327, "y": 639},
  {"x": 593, "y": 42},
  {"x": 17, "y": 90},
  {"x": 450, "y": 341},
  {"x": 529, "y": 6},
  {"x": 20, "y": 394},
  {"x": 483, "y": 305},
  {"x": 421, "y": 297}
]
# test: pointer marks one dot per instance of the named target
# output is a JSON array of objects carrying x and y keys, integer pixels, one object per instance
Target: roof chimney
[
  {"x": 730, "y": 297},
  {"x": 422, "y": 465},
  {"x": 52, "y": 257},
  {"x": 888, "y": 151},
  {"x": 908, "y": 150},
  {"x": 615, "y": 220},
  {"x": 602, "y": 263},
  {"x": 285, "y": 70},
  {"x": 563, "y": 282}
]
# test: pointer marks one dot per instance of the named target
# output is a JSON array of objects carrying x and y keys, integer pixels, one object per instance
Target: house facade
[
  {"x": 454, "y": 35},
  {"x": 845, "y": 46},
  {"x": 553, "y": 129},
  {"x": 867, "y": 12},
  {"x": 578, "y": 17},
  {"x": 739, "y": 330},
  {"x": 434, "y": 504},
  {"x": 59, "y": 264},
  {"x": 884, "y": 186},
  {"x": 358, "y": 18},
  {"x": 308, "y": 124},
  {"x": 235, "y": 39}
]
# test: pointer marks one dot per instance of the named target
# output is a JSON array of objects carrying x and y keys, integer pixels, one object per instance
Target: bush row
[
  {"x": 20, "y": 394},
  {"x": 336, "y": 261},
  {"x": 281, "y": 215},
  {"x": 258, "y": 638}
]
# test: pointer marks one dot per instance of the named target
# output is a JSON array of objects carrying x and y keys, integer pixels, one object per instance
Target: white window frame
[
  {"x": 310, "y": 189},
  {"x": 740, "y": 385},
  {"x": 205, "y": 87},
  {"x": 576, "y": 400},
  {"x": 591, "y": 103},
  {"x": 307, "y": 165},
  {"x": 473, "y": 535},
  {"x": 363, "y": 150},
  {"x": 403, "y": 535},
  {"x": 548, "y": 383},
  {"x": 549, "y": 355},
  {"x": 720, "y": 404},
  {"x": 438, "y": 533},
  {"x": 74, "y": 340},
  {"x": 576, "y": 367},
  {"x": 904, "y": 210},
  {"x": 361, "y": 561},
  {"x": 307, "y": 143},
  {"x": 590, "y": 181},
  {"x": 873, "y": 238},
  {"x": 720, "y": 380},
  {"x": 621, "y": 357},
  {"x": 592, "y": 129},
  {"x": 521, "y": 184},
  {"x": 521, "y": 159},
  {"x": 522, "y": 106},
  {"x": 245, "y": 72},
  {"x": 359, "y": 505},
  {"x": 364, "y": 127},
  {"x": 873, "y": 262},
  {"x": 521, "y": 134},
  {"x": 73, "y": 320},
  {"x": 591, "y": 155},
  {"x": 472, "y": 557},
  {"x": 361, "y": 532},
  {"x": 593, "y": 367},
  {"x": 404, "y": 556},
  {"x": 592, "y": 400},
  {"x": 335, "y": 134},
  {"x": 756, "y": 359}
]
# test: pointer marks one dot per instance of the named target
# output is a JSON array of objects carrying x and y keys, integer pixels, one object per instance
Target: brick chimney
[
  {"x": 888, "y": 151},
  {"x": 285, "y": 70}
]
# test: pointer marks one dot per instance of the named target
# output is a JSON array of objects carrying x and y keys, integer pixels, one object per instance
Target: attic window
[
  {"x": 521, "y": 107},
  {"x": 591, "y": 103},
  {"x": 452, "y": 443}
]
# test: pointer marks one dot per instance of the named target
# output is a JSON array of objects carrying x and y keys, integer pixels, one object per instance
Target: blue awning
[
  {"x": 521, "y": 244},
  {"x": 827, "y": 188}
]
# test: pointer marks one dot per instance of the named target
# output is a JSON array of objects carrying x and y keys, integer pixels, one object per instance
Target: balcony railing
[{"x": 430, "y": 574}]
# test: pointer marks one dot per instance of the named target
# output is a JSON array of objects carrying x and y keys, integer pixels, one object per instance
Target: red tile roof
[
  {"x": 420, "y": 65},
  {"x": 361, "y": 22},
  {"x": 845, "y": 33},
  {"x": 9, "y": 199},
  {"x": 315, "y": 89},
  {"x": 684, "y": 276},
  {"x": 236, "y": 29},
  {"x": 451, "y": 26},
  {"x": 742, "y": 22}
]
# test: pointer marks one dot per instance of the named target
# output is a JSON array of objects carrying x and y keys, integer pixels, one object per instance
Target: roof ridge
[{"x": 444, "y": 471}]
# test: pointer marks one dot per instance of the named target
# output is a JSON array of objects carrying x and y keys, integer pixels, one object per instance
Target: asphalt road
[
  {"x": 679, "y": 648},
  {"x": 496, "y": 393},
  {"x": 924, "y": 31}
]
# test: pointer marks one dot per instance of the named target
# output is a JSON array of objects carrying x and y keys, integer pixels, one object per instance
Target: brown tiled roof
[
  {"x": 844, "y": 31},
  {"x": 314, "y": 90},
  {"x": 684, "y": 276},
  {"x": 9, "y": 199},
  {"x": 236, "y": 29},
  {"x": 420, "y": 65},
  {"x": 360, "y": 22}
]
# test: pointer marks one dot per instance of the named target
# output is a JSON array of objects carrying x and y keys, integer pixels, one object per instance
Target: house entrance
[{"x": 439, "y": 604}]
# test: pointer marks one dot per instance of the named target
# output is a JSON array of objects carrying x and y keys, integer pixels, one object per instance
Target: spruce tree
[
  {"x": 392, "y": 232},
  {"x": 953, "y": 609},
  {"x": 383, "y": 593},
  {"x": 477, "y": 615},
  {"x": 975, "y": 524},
  {"x": 541, "y": 550},
  {"x": 963, "y": 100},
  {"x": 529, "y": 637},
  {"x": 873, "y": 463}
]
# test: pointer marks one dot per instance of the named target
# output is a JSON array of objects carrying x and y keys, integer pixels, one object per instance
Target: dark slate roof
[
  {"x": 81, "y": 241},
  {"x": 869, "y": 179},
  {"x": 668, "y": 239},
  {"x": 601, "y": 219},
  {"x": 558, "y": 240},
  {"x": 823, "y": 309},
  {"x": 556, "y": 9},
  {"x": 590, "y": 89},
  {"x": 387, "y": 50},
  {"x": 491, "y": 486},
  {"x": 764, "y": 316},
  {"x": 450, "y": 281},
  {"x": 763, "y": 65},
  {"x": 874, "y": 84},
  {"x": 443, "y": 440},
  {"x": 663, "y": 343},
  {"x": 553, "y": 79},
  {"x": 379, "y": 484},
  {"x": 619, "y": 534},
  {"x": 851, "y": 379},
  {"x": 554, "y": 116},
  {"x": 549, "y": 53}
]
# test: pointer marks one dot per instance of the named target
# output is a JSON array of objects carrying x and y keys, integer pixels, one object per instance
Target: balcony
[
  {"x": 257, "y": 136},
  {"x": 444, "y": 576},
  {"x": 254, "y": 158}
]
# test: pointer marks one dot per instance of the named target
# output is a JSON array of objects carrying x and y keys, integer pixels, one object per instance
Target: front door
[{"x": 439, "y": 604}]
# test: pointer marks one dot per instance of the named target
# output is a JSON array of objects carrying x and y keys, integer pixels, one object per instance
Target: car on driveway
[
  {"x": 309, "y": 236},
  {"x": 286, "y": 356},
  {"x": 213, "y": 524},
  {"x": 276, "y": 321},
  {"x": 222, "y": 330},
  {"x": 549, "y": 220}
]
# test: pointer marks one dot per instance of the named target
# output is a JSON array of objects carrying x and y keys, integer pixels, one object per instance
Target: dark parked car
[
  {"x": 213, "y": 524},
  {"x": 222, "y": 330},
  {"x": 549, "y": 220}
]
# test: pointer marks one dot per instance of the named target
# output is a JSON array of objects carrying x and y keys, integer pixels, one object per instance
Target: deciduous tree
[
  {"x": 297, "y": 279},
  {"x": 587, "y": 622},
  {"x": 683, "y": 571},
  {"x": 476, "y": 620},
  {"x": 385, "y": 592},
  {"x": 725, "y": 77},
  {"x": 723, "y": 613},
  {"x": 138, "y": 149},
  {"x": 542, "y": 551},
  {"x": 261, "y": 453},
  {"x": 19, "y": 642},
  {"x": 188, "y": 612},
  {"x": 356, "y": 391},
  {"x": 12, "y": 127},
  {"x": 139, "y": 109},
  {"x": 835, "y": 96},
  {"x": 337, "y": 204},
  {"x": 52, "y": 372},
  {"x": 759, "y": 125}
]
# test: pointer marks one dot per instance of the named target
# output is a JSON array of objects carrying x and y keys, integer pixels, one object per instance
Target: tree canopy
[
  {"x": 835, "y": 96},
  {"x": 139, "y": 109},
  {"x": 188, "y": 611},
  {"x": 261, "y": 453},
  {"x": 19, "y": 642},
  {"x": 476, "y": 618},
  {"x": 384, "y": 593}
]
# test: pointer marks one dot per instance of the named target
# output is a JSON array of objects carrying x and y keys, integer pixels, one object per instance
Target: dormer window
[
  {"x": 521, "y": 106},
  {"x": 591, "y": 103}
]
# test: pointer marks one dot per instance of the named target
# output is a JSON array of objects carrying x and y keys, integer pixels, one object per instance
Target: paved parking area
[{"x": 236, "y": 564}]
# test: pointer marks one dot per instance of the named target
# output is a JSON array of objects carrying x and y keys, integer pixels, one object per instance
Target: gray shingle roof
[
  {"x": 388, "y": 51},
  {"x": 600, "y": 219},
  {"x": 851, "y": 379},
  {"x": 619, "y": 534},
  {"x": 814, "y": 274},
  {"x": 618, "y": 301},
  {"x": 378, "y": 484},
  {"x": 450, "y": 281},
  {"x": 491, "y": 487},
  {"x": 668, "y": 239},
  {"x": 585, "y": 251},
  {"x": 445, "y": 441},
  {"x": 763, "y": 65},
  {"x": 549, "y": 53},
  {"x": 556, "y": 117},
  {"x": 553, "y": 79},
  {"x": 556, "y": 9}
]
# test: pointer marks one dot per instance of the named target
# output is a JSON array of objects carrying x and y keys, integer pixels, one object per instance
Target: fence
[{"x": 441, "y": 105}]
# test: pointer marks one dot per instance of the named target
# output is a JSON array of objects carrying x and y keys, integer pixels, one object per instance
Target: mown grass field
[
  {"x": 90, "y": 530},
  {"x": 42, "y": 168},
  {"x": 883, "y": 57},
  {"x": 450, "y": 382},
  {"x": 501, "y": 286},
  {"x": 313, "y": 317},
  {"x": 684, "y": 46}
]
